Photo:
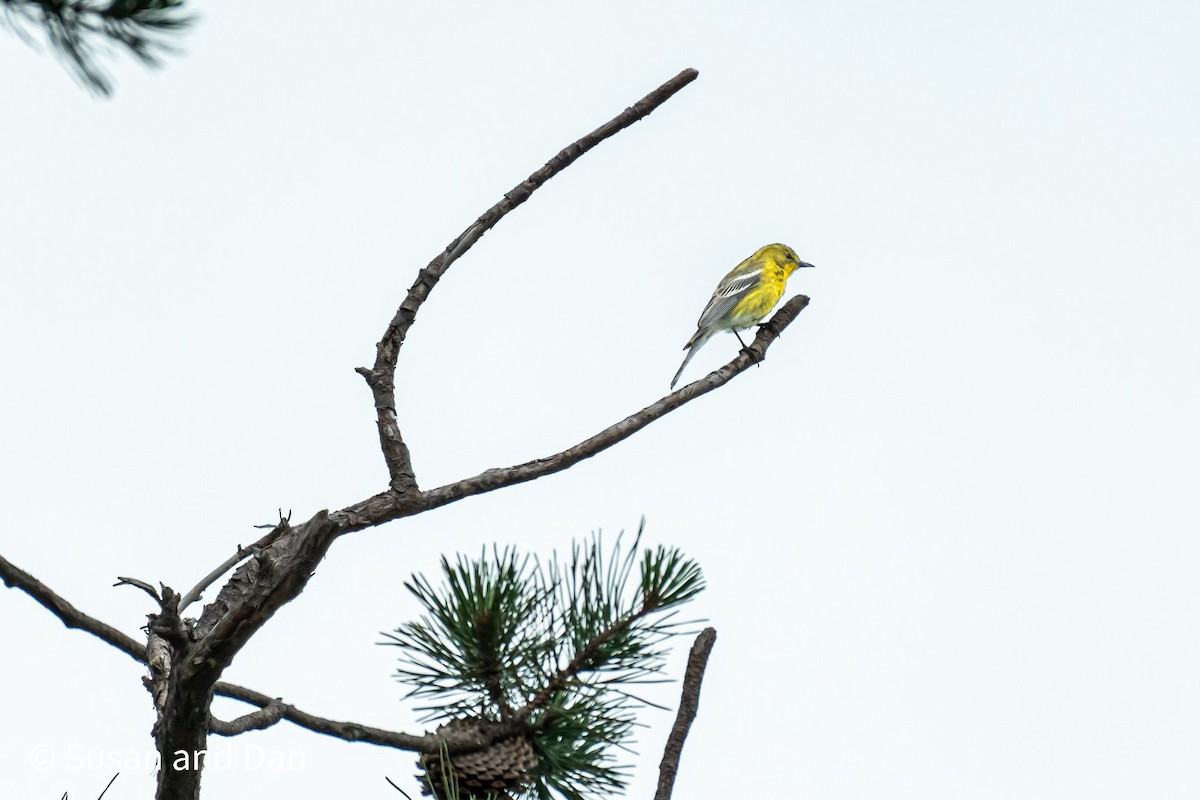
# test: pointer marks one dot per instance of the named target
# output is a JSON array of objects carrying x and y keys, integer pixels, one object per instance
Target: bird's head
[{"x": 782, "y": 255}]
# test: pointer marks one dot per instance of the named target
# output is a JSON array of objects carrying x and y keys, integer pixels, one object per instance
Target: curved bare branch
[
  {"x": 382, "y": 376},
  {"x": 265, "y": 717}
]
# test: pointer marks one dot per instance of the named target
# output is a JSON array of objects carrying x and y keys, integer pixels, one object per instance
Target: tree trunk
[{"x": 182, "y": 735}]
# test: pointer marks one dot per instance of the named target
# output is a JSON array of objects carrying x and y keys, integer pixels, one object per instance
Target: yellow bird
[{"x": 744, "y": 296}]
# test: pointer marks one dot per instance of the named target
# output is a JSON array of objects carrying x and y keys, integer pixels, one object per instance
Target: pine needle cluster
[
  {"x": 79, "y": 29},
  {"x": 553, "y": 651}
]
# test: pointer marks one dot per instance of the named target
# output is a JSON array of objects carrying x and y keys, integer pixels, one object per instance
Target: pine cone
[{"x": 497, "y": 771}]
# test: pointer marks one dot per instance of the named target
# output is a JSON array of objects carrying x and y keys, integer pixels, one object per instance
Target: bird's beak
[{"x": 800, "y": 264}]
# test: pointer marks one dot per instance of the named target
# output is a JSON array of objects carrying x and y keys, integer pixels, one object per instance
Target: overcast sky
[{"x": 950, "y": 527}]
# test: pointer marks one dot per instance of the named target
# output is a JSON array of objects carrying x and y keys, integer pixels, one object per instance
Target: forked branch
[
  {"x": 387, "y": 506},
  {"x": 382, "y": 376}
]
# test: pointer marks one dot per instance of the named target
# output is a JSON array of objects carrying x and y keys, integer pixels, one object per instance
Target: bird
[{"x": 744, "y": 296}]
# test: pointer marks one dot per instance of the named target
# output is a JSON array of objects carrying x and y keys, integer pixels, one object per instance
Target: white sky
[{"x": 950, "y": 527}]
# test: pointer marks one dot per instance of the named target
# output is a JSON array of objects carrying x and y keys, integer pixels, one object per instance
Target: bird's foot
[{"x": 754, "y": 355}]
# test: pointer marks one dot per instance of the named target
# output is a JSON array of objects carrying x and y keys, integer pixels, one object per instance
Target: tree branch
[
  {"x": 382, "y": 376},
  {"x": 279, "y": 573},
  {"x": 454, "y": 742},
  {"x": 560, "y": 679},
  {"x": 197, "y": 591},
  {"x": 349, "y": 731},
  {"x": 141, "y": 585},
  {"x": 241, "y": 555},
  {"x": 16, "y": 578},
  {"x": 386, "y": 507},
  {"x": 256, "y": 591},
  {"x": 689, "y": 703},
  {"x": 493, "y": 479},
  {"x": 68, "y": 614},
  {"x": 265, "y": 717}
]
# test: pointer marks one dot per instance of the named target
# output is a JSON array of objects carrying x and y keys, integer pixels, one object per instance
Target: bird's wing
[{"x": 730, "y": 290}]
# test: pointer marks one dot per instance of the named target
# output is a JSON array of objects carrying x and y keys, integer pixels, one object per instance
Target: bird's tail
[{"x": 694, "y": 344}]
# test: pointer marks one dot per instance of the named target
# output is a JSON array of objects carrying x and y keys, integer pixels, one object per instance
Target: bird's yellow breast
[{"x": 759, "y": 301}]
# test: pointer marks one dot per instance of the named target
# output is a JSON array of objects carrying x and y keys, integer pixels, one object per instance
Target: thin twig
[
  {"x": 242, "y": 553},
  {"x": 106, "y": 787},
  {"x": 397, "y": 788},
  {"x": 137, "y": 584},
  {"x": 382, "y": 376},
  {"x": 689, "y": 703},
  {"x": 233, "y": 560},
  {"x": 196, "y": 591}
]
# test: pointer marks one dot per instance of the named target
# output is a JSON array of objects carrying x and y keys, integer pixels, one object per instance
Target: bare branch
[
  {"x": 70, "y": 616},
  {"x": 388, "y": 506},
  {"x": 265, "y": 717},
  {"x": 196, "y": 591},
  {"x": 137, "y": 584},
  {"x": 493, "y": 479},
  {"x": 689, "y": 703},
  {"x": 242, "y": 553},
  {"x": 349, "y": 731},
  {"x": 381, "y": 377},
  {"x": 354, "y": 732},
  {"x": 258, "y": 589}
]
